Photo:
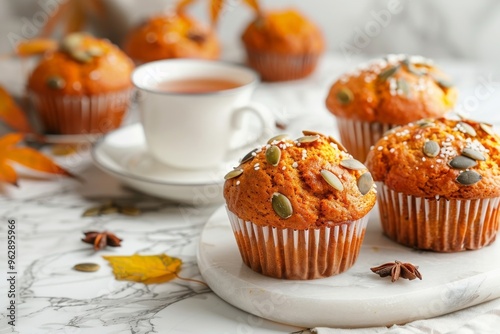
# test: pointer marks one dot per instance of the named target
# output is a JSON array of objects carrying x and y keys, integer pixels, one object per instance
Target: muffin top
[
  {"x": 83, "y": 65},
  {"x": 395, "y": 90},
  {"x": 173, "y": 36},
  {"x": 286, "y": 32},
  {"x": 304, "y": 183},
  {"x": 439, "y": 158}
]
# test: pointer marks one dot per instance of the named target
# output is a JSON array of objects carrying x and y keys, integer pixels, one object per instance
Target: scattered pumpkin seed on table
[{"x": 87, "y": 267}]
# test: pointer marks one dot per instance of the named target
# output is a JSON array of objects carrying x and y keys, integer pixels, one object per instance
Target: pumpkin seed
[
  {"x": 473, "y": 154},
  {"x": 488, "y": 129},
  {"x": 109, "y": 210},
  {"x": 56, "y": 82},
  {"x": 81, "y": 56},
  {"x": 308, "y": 139},
  {"x": 461, "y": 162},
  {"x": 365, "y": 183},
  {"x": 467, "y": 128},
  {"x": 232, "y": 174},
  {"x": 469, "y": 178},
  {"x": 95, "y": 51},
  {"x": 424, "y": 123},
  {"x": 404, "y": 86},
  {"x": 273, "y": 155},
  {"x": 72, "y": 42},
  {"x": 277, "y": 138},
  {"x": 311, "y": 133},
  {"x": 130, "y": 211},
  {"x": 412, "y": 69},
  {"x": 282, "y": 206},
  {"x": 352, "y": 164},
  {"x": 443, "y": 83},
  {"x": 87, "y": 267},
  {"x": 388, "y": 73},
  {"x": 332, "y": 179},
  {"x": 249, "y": 156},
  {"x": 336, "y": 142},
  {"x": 431, "y": 148},
  {"x": 345, "y": 96},
  {"x": 92, "y": 212}
]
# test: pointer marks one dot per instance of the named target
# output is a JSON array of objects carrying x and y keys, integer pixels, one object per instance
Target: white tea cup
[{"x": 195, "y": 130}]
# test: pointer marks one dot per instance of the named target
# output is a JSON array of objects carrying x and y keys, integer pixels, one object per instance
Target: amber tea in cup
[{"x": 197, "y": 85}]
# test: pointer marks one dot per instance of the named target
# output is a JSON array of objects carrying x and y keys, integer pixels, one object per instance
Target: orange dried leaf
[
  {"x": 254, "y": 4},
  {"x": 37, "y": 46},
  {"x": 215, "y": 10},
  {"x": 28, "y": 157},
  {"x": 182, "y": 5},
  {"x": 147, "y": 269},
  {"x": 11, "y": 114},
  {"x": 8, "y": 174},
  {"x": 33, "y": 159}
]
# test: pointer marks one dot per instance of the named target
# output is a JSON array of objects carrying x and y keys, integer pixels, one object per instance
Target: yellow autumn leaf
[{"x": 147, "y": 269}]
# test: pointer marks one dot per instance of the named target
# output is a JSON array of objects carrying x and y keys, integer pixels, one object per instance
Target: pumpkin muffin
[
  {"x": 84, "y": 87},
  {"x": 438, "y": 184},
  {"x": 174, "y": 36},
  {"x": 299, "y": 208},
  {"x": 283, "y": 45},
  {"x": 385, "y": 93}
]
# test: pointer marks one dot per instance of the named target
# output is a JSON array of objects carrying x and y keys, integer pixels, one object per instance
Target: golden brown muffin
[
  {"x": 84, "y": 87},
  {"x": 297, "y": 187},
  {"x": 439, "y": 184},
  {"x": 384, "y": 93},
  {"x": 283, "y": 45},
  {"x": 174, "y": 36}
]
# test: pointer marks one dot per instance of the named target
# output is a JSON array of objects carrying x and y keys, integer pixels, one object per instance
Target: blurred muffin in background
[
  {"x": 386, "y": 93},
  {"x": 84, "y": 87},
  {"x": 283, "y": 45},
  {"x": 171, "y": 36}
]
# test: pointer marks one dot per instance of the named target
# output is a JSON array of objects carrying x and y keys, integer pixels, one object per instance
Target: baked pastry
[
  {"x": 299, "y": 208},
  {"x": 84, "y": 87},
  {"x": 438, "y": 184},
  {"x": 385, "y": 93},
  {"x": 173, "y": 36},
  {"x": 283, "y": 45}
]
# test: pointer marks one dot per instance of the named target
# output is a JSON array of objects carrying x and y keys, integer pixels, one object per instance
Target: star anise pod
[
  {"x": 396, "y": 270},
  {"x": 101, "y": 239}
]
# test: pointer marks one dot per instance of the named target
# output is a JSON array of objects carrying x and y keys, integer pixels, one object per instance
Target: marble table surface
[{"x": 53, "y": 298}]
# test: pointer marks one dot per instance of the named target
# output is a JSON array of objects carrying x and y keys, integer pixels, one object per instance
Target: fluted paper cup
[
  {"x": 359, "y": 136},
  {"x": 82, "y": 114},
  {"x": 438, "y": 224},
  {"x": 278, "y": 67},
  {"x": 298, "y": 254}
]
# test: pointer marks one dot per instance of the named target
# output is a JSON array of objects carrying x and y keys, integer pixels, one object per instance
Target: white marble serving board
[{"x": 356, "y": 298}]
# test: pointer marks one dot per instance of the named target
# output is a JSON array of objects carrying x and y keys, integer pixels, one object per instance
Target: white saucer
[
  {"x": 123, "y": 154},
  {"x": 356, "y": 298}
]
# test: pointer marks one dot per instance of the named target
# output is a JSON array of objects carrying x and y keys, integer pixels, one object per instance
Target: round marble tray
[{"x": 357, "y": 298}]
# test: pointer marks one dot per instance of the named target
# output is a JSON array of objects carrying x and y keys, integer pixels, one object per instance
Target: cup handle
[{"x": 267, "y": 126}]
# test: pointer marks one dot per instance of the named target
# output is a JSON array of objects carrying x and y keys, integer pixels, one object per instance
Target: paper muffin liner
[
  {"x": 358, "y": 136},
  {"x": 278, "y": 67},
  {"x": 438, "y": 224},
  {"x": 82, "y": 114},
  {"x": 298, "y": 254}
]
